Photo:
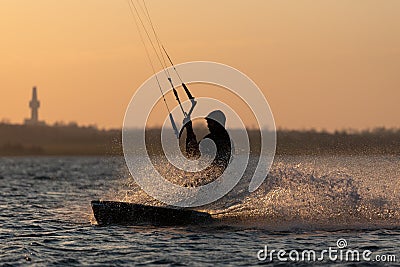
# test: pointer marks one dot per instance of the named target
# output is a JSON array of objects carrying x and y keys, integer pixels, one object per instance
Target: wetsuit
[{"x": 221, "y": 139}]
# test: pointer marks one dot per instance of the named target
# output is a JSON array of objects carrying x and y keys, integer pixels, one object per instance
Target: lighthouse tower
[{"x": 34, "y": 105}]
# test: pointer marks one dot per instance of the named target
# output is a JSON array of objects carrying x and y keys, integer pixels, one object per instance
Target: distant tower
[{"x": 34, "y": 104}]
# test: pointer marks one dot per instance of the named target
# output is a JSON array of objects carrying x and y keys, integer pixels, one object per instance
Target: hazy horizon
[{"x": 324, "y": 65}]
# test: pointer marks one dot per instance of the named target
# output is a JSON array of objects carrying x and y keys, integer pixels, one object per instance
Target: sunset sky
[{"x": 321, "y": 64}]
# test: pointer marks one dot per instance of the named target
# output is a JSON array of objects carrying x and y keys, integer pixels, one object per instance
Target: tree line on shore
[{"x": 21, "y": 140}]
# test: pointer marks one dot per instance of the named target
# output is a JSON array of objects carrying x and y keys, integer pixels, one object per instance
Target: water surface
[{"x": 305, "y": 203}]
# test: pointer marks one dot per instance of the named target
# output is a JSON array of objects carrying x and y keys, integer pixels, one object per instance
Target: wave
[{"x": 300, "y": 196}]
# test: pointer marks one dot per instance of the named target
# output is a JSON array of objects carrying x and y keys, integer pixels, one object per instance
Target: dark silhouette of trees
[{"x": 72, "y": 139}]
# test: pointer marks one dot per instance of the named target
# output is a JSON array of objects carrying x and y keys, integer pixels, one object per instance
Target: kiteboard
[{"x": 125, "y": 213}]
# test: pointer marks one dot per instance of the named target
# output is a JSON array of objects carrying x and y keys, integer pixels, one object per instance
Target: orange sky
[{"x": 321, "y": 64}]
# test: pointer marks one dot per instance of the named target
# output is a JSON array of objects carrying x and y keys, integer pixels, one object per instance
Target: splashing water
[
  {"x": 45, "y": 216},
  {"x": 329, "y": 192}
]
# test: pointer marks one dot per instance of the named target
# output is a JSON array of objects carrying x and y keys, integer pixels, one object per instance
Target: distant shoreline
[{"x": 74, "y": 140}]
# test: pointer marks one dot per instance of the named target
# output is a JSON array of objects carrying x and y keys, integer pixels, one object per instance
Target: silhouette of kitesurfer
[{"x": 218, "y": 134}]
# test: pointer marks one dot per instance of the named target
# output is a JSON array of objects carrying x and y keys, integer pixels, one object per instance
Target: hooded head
[{"x": 216, "y": 120}]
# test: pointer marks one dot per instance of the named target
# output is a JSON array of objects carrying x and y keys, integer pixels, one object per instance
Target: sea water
[{"x": 306, "y": 203}]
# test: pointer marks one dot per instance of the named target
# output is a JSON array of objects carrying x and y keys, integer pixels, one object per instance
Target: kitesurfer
[{"x": 218, "y": 134}]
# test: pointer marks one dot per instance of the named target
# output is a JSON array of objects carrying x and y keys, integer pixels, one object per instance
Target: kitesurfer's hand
[{"x": 187, "y": 123}]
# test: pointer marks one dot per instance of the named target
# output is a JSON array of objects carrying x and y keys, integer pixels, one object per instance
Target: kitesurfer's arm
[{"x": 192, "y": 147}]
